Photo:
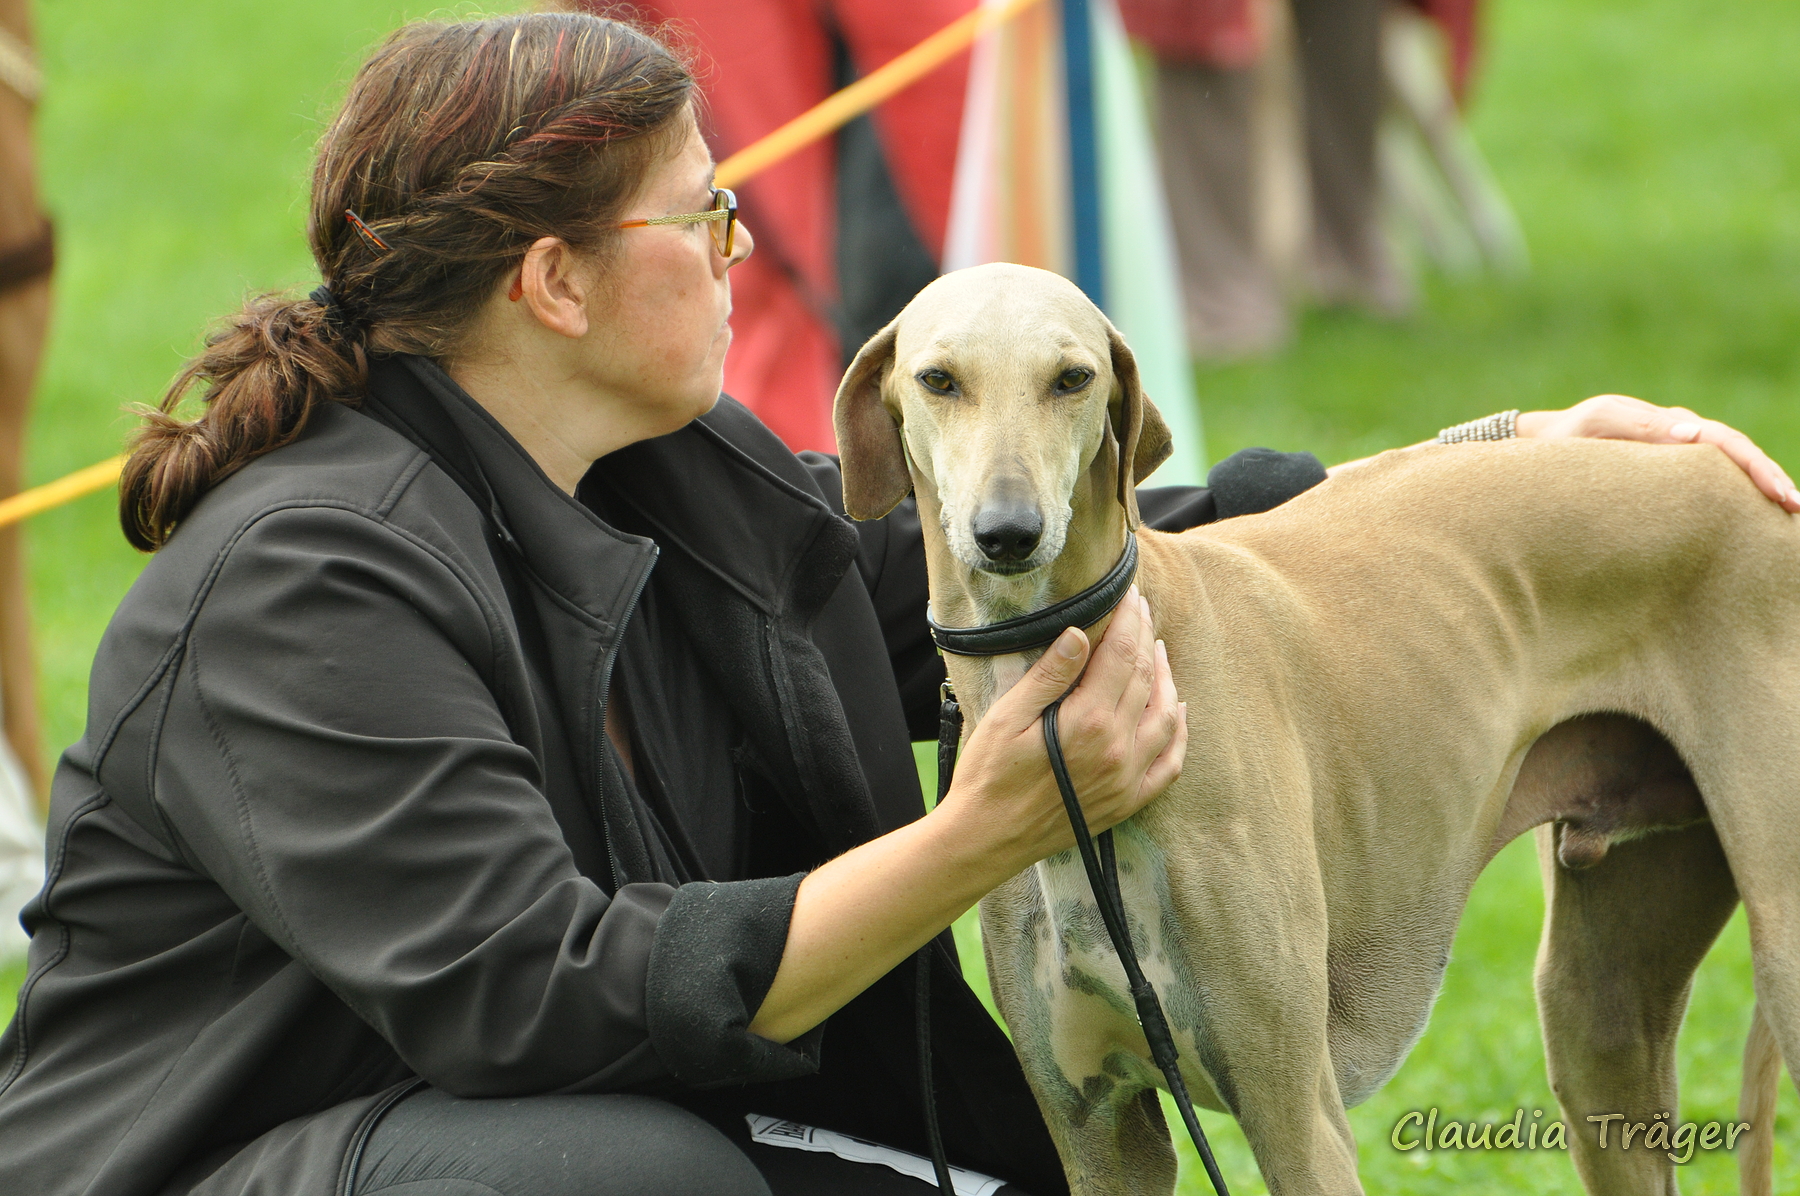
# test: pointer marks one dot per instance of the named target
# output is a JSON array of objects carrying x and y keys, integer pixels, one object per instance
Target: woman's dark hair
[{"x": 457, "y": 146}]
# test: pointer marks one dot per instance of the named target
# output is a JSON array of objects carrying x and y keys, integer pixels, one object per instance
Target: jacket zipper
[{"x": 606, "y": 669}]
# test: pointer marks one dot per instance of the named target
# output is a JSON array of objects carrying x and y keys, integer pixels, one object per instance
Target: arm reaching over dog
[
  {"x": 1124, "y": 736},
  {"x": 1621, "y": 417}
]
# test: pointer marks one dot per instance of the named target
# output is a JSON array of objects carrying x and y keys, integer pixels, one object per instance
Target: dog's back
[{"x": 1659, "y": 573}]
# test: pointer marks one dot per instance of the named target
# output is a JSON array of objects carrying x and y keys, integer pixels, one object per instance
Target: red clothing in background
[
  {"x": 1458, "y": 19},
  {"x": 1220, "y": 33},
  {"x": 762, "y": 63},
  {"x": 1224, "y": 33}
]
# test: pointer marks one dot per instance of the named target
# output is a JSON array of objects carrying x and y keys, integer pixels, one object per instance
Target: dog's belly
[{"x": 1602, "y": 778}]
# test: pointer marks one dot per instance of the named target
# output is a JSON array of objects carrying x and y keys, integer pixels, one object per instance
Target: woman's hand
[
  {"x": 1620, "y": 417},
  {"x": 1124, "y": 736}
]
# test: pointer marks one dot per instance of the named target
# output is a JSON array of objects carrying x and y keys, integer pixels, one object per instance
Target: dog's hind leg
[
  {"x": 1621, "y": 942},
  {"x": 1756, "y": 1105},
  {"x": 1774, "y": 945}
]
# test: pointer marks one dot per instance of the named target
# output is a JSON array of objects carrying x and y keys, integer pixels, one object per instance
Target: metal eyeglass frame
[{"x": 724, "y": 207}]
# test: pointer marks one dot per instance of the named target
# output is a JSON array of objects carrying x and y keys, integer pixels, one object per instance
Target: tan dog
[{"x": 1388, "y": 679}]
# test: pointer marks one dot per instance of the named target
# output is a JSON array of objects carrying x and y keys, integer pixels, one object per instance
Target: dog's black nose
[{"x": 1008, "y": 534}]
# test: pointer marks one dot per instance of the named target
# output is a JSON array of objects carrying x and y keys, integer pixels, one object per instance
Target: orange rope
[
  {"x": 27, "y": 503},
  {"x": 832, "y": 113},
  {"x": 881, "y": 84}
]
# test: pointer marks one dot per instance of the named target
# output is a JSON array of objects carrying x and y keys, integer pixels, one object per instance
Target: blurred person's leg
[
  {"x": 1338, "y": 45},
  {"x": 24, "y": 316},
  {"x": 1207, "y": 141},
  {"x": 432, "y": 1144},
  {"x": 1228, "y": 147}
]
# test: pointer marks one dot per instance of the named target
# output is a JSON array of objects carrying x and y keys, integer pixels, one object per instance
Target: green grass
[{"x": 1651, "y": 147}]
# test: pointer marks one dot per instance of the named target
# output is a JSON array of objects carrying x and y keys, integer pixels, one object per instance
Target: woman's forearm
[
  {"x": 1621, "y": 417},
  {"x": 858, "y": 916}
]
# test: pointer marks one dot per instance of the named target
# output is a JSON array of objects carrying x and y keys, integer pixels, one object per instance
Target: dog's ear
[
  {"x": 869, "y": 447},
  {"x": 1143, "y": 438}
]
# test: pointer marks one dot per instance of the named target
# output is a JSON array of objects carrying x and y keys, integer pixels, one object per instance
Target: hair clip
[{"x": 365, "y": 232}]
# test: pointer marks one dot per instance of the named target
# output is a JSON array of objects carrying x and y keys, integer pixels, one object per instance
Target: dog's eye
[
  {"x": 1073, "y": 379},
  {"x": 939, "y": 381}
]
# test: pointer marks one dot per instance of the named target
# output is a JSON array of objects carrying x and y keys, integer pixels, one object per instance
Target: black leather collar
[{"x": 1040, "y": 628}]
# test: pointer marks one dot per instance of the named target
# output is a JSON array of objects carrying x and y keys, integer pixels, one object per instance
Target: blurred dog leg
[
  {"x": 1227, "y": 139},
  {"x": 25, "y": 259}
]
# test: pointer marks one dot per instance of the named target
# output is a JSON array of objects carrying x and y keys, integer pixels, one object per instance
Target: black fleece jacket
[{"x": 309, "y": 854}]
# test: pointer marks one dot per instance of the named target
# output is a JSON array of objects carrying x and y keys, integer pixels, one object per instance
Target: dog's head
[{"x": 1002, "y": 393}]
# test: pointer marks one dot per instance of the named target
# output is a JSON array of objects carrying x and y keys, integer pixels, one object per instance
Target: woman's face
[{"x": 658, "y": 326}]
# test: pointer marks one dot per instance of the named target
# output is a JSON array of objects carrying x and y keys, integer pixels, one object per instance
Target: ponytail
[{"x": 265, "y": 372}]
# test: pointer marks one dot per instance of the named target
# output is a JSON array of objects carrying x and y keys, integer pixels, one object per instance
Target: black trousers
[{"x": 431, "y": 1144}]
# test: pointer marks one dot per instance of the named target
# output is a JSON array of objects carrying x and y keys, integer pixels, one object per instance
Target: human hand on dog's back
[
  {"x": 1124, "y": 736},
  {"x": 1621, "y": 417}
]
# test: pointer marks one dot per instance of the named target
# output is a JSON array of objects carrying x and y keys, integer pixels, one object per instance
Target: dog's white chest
[{"x": 1094, "y": 1018}]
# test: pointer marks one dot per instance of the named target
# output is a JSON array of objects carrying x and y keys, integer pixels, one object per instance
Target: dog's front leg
[
  {"x": 1275, "y": 1073},
  {"x": 1297, "y": 1129},
  {"x": 1248, "y": 995}
]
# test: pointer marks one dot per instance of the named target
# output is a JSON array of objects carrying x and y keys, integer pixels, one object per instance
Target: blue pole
[{"x": 1084, "y": 152}]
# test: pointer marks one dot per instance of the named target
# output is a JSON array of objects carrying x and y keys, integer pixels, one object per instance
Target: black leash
[
  {"x": 950, "y": 721},
  {"x": 1097, "y": 856}
]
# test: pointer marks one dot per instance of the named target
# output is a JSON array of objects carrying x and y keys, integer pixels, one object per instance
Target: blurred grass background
[{"x": 1651, "y": 148}]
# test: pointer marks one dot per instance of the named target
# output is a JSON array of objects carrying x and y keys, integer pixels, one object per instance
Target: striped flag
[{"x": 1056, "y": 169}]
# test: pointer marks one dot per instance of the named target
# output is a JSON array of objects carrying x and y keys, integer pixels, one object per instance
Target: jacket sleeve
[
  {"x": 892, "y": 558},
  {"x": 335, "y": 756}
]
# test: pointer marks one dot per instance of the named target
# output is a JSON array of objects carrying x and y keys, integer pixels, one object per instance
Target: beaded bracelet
[{"x": 1501, "y": 426}]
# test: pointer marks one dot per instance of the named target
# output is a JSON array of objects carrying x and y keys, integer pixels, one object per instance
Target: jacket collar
[
  {"x": 726, "y": 493},
  {"x": 528, "y": 511},
  {"x": 750, "y": 519}
]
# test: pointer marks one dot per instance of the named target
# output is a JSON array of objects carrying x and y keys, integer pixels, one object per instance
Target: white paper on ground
[{"x": 772, "y": 1131}]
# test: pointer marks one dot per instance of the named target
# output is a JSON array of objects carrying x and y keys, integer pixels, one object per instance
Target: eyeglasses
[{"x": 722, "y": 215}]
